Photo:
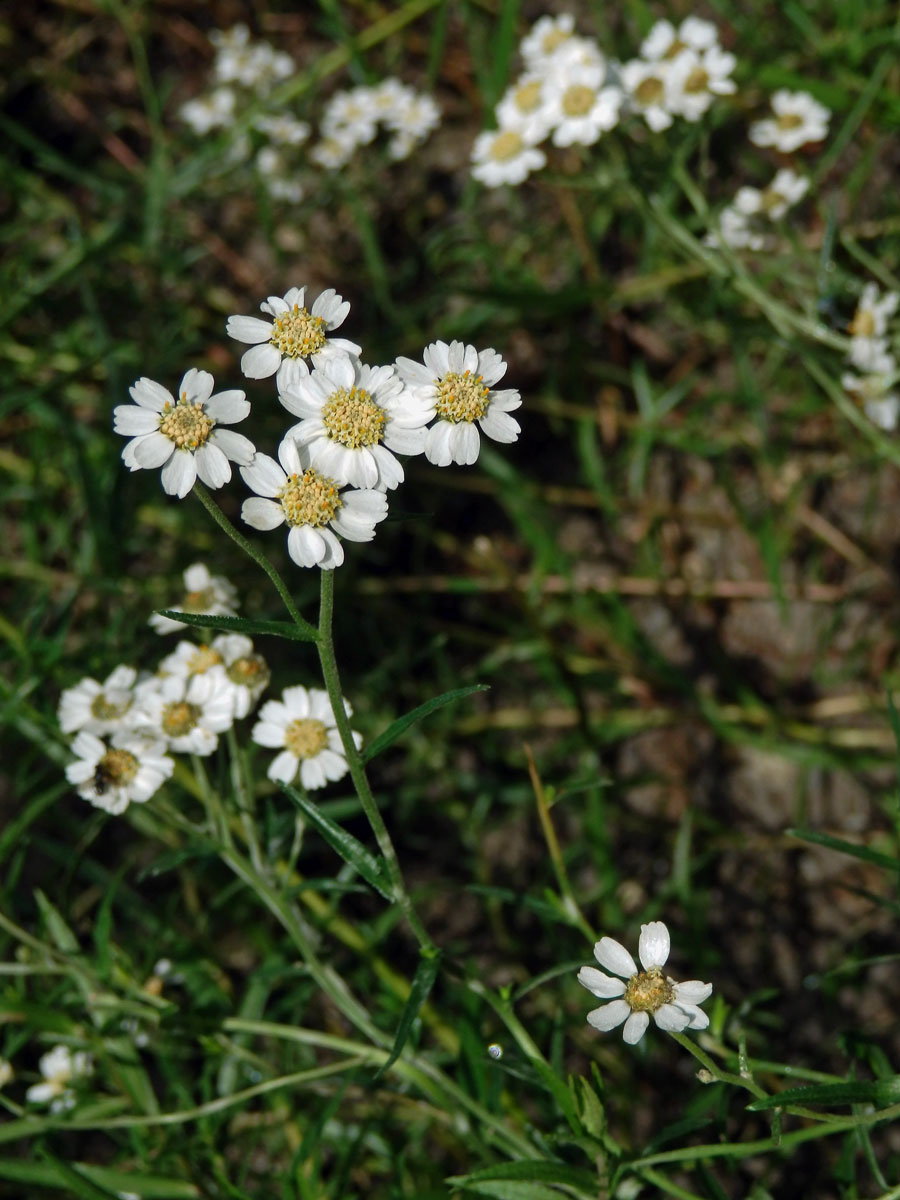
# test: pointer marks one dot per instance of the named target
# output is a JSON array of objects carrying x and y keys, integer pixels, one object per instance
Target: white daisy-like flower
[
  {"x": 410, "y": 122},
  {"x": 351, "y": 116},
  {"x": 183, "y": 436},
  {"x": 59, "y": 1067},
  {"x": 504, "y": 156},
  {"x": 246, "y": 671},
  {"x": 880, "y": 405},
  {"x": 254, "y": 65},
  {"x": 580, "y": 106},
  {"x": 355, "y": 418},
  {"x": 873, "y": 312},
  {"x": 696, "y": 78},
  {"x": 283, "y": 129},
  {"x": 673, "y": 1006},
  {"x": 187, "y": 712},
  {"x": 786, "y": 189},
  {"x": 210, "y": 595},
  {"x": 872, "y": 355},
  {"x": 311, "y": 504},
  {"x": 213, "y": 111},
  {"x": 523, "y": 107},
  {"x": 130, "y": 769},
  {"x": 664, "y": 41},
  {"x": 734, "y": 230},
  {"x": 301, "y": 724},
  {"x": 545, "y": 38},
  {"x": 295, "y": 334},
  {"x": 798, "y": 119},
  {"x": 457, "y": 381},
  {"x": 649, "y": 89},
  {"x": 98, "y": 707}
]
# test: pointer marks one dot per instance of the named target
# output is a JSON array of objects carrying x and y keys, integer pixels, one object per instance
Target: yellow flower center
[
  {"x": 309, "y": 499},
  {"x": 202, "y": 659},
  {"x": 116, "y": 768},
  {"x": 649, "y": 91},
  {"x": 528, "y": 97},
  {"x": 104, "y": 710},
  {"x": 697, "y": 81},
  {"x": 789, "y": 121},
  {"x": 353, "y": 418},
  {"x": 250, "y": 672},
  {"x": 506, "y": 145},
  {"x": 553, "y": 39},
  {"x": 179, "y": 718},
  {"x": 648, "y": 991},
  {"x": 198, "y": 602},
  {"x": 187, "y": 425},
  {"x": 863, "y": 324},
  {"x": 297, "y": 333},
  {"x": 305, "y": 737},
  {"x": 578, "y": 100},
  {"x": 461, "y": 397},
  {"x": 675, "y": 49}
]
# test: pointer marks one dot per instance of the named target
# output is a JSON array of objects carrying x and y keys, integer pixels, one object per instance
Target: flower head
[
  {"x": 506, "y": 155},
  {"x": 580, "y": 105},
  {"x": 302, "y": 725},
  {"x": 311, "y": 504},
  {"x": 295, "y": 334},
  {"x": 211, "y": 595},
  {"x": 798, "y": 119},
  {"x": 673, "y": 1006},
  {"x": 98, "y": 707},
  {"x": 246, "y": 671},
  {"x": 697, "y": 77},
  {"x": 130, "y": 769},
  {"x": 650, "y": 91},
  {"x": 187, "y": 712},
  {"x": 354, "y": 419},
  {"x": 457, "y": 381},
  {"x": 59, "y": 1067},
  {"x": 183, "y": 436}
]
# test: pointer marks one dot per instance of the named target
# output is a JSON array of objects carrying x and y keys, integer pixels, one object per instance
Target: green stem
[
  {"x": 260, "y": 559},
  {"x": 325, "y": 643}
]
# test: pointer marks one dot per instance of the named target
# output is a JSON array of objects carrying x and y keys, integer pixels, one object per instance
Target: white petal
[
  {"x": 233, "y": 445},
  {"x": 601, "y": 985},
  {"x": 283, "y": 767},
  {"x": 693, "y": 991},
  {"x": 150, "y": 394},
  {"x": 196, "y": 386},
  {"x": 263, "y": 476},
  {"x": 697, "y": 1018},
  {"x": 153, "y": 450},
  {"x": 248, "y": 329},
  {"x": 262, "y": 514},
  {"x": 437, "y": 444},
  {"x": 289, "y": 456},
  {"x": 653, "y": 947},
  {"x": 334, "y": 551},
  {"x": 635, "y": 1027},
  {"x": 227, "y": 408},
  {"x": 261, "y": 361},
  {"x": 179, "y": 474},
  {"x": 500, "y": 426},
  {"x": 212, "y": 466},
  {"x": 306, "y": 546},
  {"x": 465, "y": 443},
  {"x": 612, "y": 955},
  {"x": 609, "y": 1015},
  {"x": 312, "y": 776},
  {"x": 671, "y": 1019},
  {"x": 129, "y": 419}
]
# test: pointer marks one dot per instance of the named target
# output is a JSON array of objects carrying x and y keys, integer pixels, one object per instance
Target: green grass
[{"x": 679, "y": 587}]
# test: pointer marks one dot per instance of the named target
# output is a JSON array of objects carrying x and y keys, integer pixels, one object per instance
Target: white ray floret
[
  {"x": 879, "y": 403},
  {"x": 798, "y": 119},
  {"x": 664, "y": 41},
  {"x": 457, "y": 381},
  {"x": 636, "y": 995},
  {"x": 282, "y": 346},
  {"x": 183, "y": 436},
  {"x": 311, "y": 504},
  {"x": 354, "y": 419},
  {"x": 301, "y": 725},
  {"x": 98, "y": 707},
  {"x": 204, "y": 593},
  {"x": 59, "y": 1067},
  {"x": 130, "y": 769}
]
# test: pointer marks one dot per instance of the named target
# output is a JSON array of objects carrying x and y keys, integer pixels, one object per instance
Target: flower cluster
[
  {"x": 871, "y": 357},
  {"x": 242, "y": 70},
  {"x": 635, "y": 996},
  {"x": 59, "y": 1068},
  {"x": 352, "y": 118},
  {"x": 742, "y": 223},
  {"x": 569, "y": 91},
  {"x": 127, "y": 727}
]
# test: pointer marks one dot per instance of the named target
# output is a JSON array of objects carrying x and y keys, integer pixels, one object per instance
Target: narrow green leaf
[
  {"x": 528, "y": 1179},
  {"x": 880, "y": 1092},
  {"x": 560, "y": 1093},
  {"x": 512, "y": 1190},
  {"x": 833, "y": 843},
  {"x": 423, "y": 982},
  {"x": 61, "y": 935},
  {"x": 148, "y": 1187},
  {"x": 282, "y": 629},
  {"x": 400, "y": 726},
  {"x": 350, "y": 849}
]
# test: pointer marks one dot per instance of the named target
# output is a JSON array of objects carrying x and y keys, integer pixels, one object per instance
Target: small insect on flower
[{"x": 646, "y": 993}]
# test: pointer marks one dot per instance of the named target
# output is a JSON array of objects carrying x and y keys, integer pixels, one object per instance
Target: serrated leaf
[
  {"x": 61, "y": 935},
  {"x": 423, "y": 982},
  {"x": 880, "y": 1092},
  {"x": 833, "y": 843},
  {"x": 400, "y": 726},
  {"x": 351, "y": 850},
  {"x": 282, "y": 629}
]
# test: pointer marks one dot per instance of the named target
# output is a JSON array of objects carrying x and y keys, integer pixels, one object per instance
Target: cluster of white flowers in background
[
  {"x": 128, "y": 727},
  {"x": 570, "y": 92},
  {"x": 874, "y": 366},
  {"x": 59, "y": 1068},
  {"x": 743, "y": 222},
  {"x": 244, "y": 72}
]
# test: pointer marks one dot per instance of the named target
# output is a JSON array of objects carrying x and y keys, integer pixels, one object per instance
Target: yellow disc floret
[
  {"x": 250, "y": 671},
  {"x": 179, "y": 718},
  {"x": 648, "y": 991},
  {"x": 506, "y": 145},
  {"x": 104, "y": 710},
  {"x": 650, "y": 91},
  {"x": 187, "y": 425},
  {"x": 578, "y": 100},
  {"x": 117, "y": 768},
  {"x": 202, "y": 659},
  {"x": 309, "y": 499},
  {"x": 297, "y": 333},
  {"x": 461, "y": 397},
  {"x": 353, "y": 418},
  {"x": 305, "y": 737}
]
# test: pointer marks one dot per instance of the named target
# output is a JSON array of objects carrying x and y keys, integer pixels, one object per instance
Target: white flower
[
  {"x": 734, "y": 230},
  {"x": 354, "y": 419},
  {"x": 131, "y": 769},
  {"x": 332, "y": 152},
  {"x": 457, "y": 382},
  {"x": 59, "y": 1067},
  {"x": 187, "y": 712},
  {"x": 786, "y": 189},
  {"x": 183, "y": 436},
  {"x": 649, "y": 88},
  {"x": 523, "y": 107},
  {"x": 664, "y": 41},
  {"x": 211, "y": 595},
  {"x": 504, "y": 156},
  {"x": 579, "y": 106},
  {"x": 545, "y": 38},
  {"x": 868, "y": 345},
  {"x": 283, "y": 129},
  {"x": 302, "y": 725},
  {"x": 213, "y": 111},
  {"x": 647, "y": 993},
  {"x": 881, "y": 406},
  {"x": 289, "y": 190},
  {"x": 798, "y": 119},
  {"x": 311, "y": 504},
  {"x": 296, "y": 333},
  {"x": 351, "y": 116},
  {"x": 410, "y": 123},
  {"x": 695, "y": 78},
  {"x": 98, "y": 708},
  {"x": 254, "y": 65},
  {"x": 245, "y": 670}
]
